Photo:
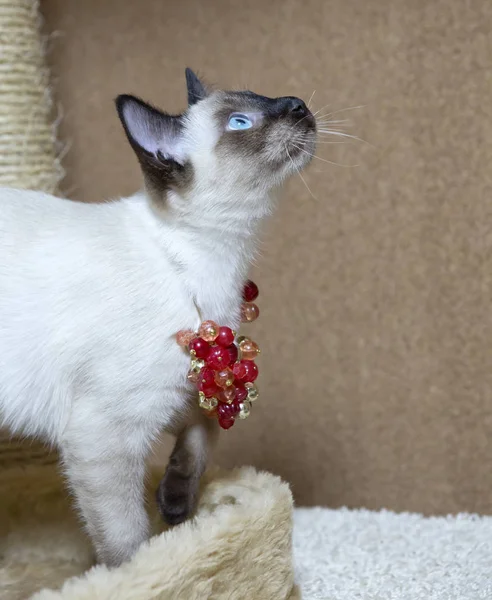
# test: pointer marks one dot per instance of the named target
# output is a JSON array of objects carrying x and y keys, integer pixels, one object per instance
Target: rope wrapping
[{"x": 28, "y": 149}]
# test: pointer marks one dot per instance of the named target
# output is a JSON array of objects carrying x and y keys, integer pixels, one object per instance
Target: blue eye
[{"x": 238, "y": 122}]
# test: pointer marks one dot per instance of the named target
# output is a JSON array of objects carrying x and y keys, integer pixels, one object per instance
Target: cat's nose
[{"x": 297, "y": 107}]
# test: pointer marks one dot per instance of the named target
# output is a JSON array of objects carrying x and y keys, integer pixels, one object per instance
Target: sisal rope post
[{"x": 28, "y": 156}]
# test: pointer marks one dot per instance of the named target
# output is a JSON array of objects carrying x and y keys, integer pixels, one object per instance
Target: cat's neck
[{"x": 212, "y": 252}]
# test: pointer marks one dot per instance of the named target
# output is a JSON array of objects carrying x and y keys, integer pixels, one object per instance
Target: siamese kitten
[{"x": 92, "y": 295}]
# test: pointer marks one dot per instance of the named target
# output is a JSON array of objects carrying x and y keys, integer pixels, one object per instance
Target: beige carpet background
[{"x": 376, "y": 322}]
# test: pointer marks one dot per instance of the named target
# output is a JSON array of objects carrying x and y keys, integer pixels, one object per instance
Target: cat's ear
[
  {"x": 154, "y": 135},
  {"x": 196, "y": 90}
]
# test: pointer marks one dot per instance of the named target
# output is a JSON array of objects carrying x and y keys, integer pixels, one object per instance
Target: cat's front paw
[{"x": 176, "y": 496}]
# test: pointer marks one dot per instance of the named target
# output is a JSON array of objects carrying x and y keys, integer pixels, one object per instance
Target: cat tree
[{"x": 239, "y": 544}]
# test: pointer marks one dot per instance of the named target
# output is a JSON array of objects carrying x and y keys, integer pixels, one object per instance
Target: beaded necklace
[{"x": 223, "y": 366}]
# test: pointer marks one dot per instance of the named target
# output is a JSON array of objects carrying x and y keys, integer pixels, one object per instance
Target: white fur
[{"x": 91, "y": 297}]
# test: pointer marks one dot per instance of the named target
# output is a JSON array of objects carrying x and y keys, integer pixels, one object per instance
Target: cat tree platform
[{"x": 238, "y": 545}]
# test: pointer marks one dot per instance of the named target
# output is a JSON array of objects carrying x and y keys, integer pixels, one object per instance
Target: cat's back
[
  {"x": 36, "y": 227},
  {"x": 16, "y": 203},
  {"x": 38, "y": 213}
]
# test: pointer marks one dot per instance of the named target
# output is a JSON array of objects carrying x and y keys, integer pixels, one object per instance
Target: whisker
[
  {"x": 322, "y": 108},
  {"x": 336, "y": 112},
  {"x": 310, "y": 99},
  {"x": 332, "y": 124},
  {"x": 324, "y": 159},
  {"x": 299, "y": 173},
  {"x": 305, "y": 117},
  {"x": 327, "y": 142},
  {"x": 314, "y": 114},
  {"x": 327, "y": 118},
  {"x": 320, "y": 120},
  {"x": 345, "y": 135},
  {"x": 327, "y": 127},
  {"x": 303, "y": 138}
]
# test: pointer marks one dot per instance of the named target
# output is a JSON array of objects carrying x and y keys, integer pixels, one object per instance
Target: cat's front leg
[
  {"x": 105, "y": 464},
  {"x": 178, "y": 490}
]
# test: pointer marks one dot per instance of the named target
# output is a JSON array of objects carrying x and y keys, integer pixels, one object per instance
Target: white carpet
[{"x": 363, "y": 555}]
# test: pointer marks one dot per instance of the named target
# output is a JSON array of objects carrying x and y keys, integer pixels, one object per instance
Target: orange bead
[
  {"x": 249, "y": 350},
  {"x": 208, "y": 331},
  {"x": 228, "y": 394},
  {"x": 184, "y": 337},
  {"x": 193, "y": 376},
  {"x": 249, "y": 312},
  {"x": 224, "y": 378}
]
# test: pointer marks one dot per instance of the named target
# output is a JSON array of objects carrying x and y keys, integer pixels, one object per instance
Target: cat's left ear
[
  {"x": 154, "y": 135},
  {"x": 196, "y": 90}
]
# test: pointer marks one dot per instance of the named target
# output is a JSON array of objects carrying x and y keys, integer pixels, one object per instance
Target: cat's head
[{"x": 225, "y": 142}]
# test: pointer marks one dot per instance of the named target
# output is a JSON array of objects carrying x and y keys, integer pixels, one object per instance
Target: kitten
[{"x": 92, "y": 295}]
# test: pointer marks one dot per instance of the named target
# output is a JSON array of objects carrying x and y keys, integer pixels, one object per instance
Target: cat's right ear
[
  {"x": 196, "y": 90},
  {"x": 153, "y": 134}
]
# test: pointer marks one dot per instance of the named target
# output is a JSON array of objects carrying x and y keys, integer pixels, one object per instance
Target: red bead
[
  {"x": 218, "y": 358},
  {"x": 245, "y": 371},
  {"x": 233, "y": 353},
  {"x": 239, "y": 370},
  {"x": 209, "y": 390},
  {"x": 241, "y": 393},
  {"x": 225, "y": 337},
  {"x": 228, "y": 411},
  {"x": 200, "y": 347},
  {"x": 250, "y": 291},
  {"x": 251, "y": 371},
  {"x": 226, "y": 423},
  {"x": 206, "y": 382},
  {"x": 207, "y": 376}
]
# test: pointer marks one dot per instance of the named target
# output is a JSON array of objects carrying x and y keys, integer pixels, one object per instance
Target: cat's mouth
[{"x": 301, "y": 146}]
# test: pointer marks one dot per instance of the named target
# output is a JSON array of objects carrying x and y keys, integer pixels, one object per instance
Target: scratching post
[{"x": 28, "y": 156}]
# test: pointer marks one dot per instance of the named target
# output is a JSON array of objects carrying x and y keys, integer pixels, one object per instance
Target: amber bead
[
  {"x": 249, "y": 349},
  {"x": 184, "y": 337},
  {"x": 224, "y": 378},
  {"x": 228, "y": 394},
  {"x": 209, "y": 330},
  {"x": 193, "y": 376},
  {"x": 249, "y": 312},
  {"x": 239, "y": 370}
]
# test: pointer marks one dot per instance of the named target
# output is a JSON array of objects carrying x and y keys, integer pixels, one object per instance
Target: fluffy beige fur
[{"x": 237, "y": 547}]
